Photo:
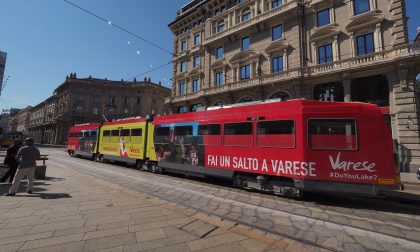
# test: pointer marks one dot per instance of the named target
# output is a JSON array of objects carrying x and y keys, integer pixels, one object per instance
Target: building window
[
  {"x": 219, "y": 53},
  {"x": 195, "y": 107},
  {"x": 96, "y": 99},
  {"x": 361, "y": 6},
  {"x": 245, "y": 44},
  {"x": 183, "y": 45},
  {"x": 221, "y": 26},
  {"x": 219, "y": 79},
  {"x": 329, "y": 92},
  {"x": 125, "y": 110},
  {"x": 373, "y": 89},
  {"x": 323, "y": 17},
  {"x": 182, "y": 109},
  {"x": 182, "y": 88},
  {"x": 276, "y": 3},
  {"x": 183, "y": 66},
  {"x": 197, "y": 39},
  {"x": 325, "y": 54},
  {"x": 365, "y": 44},
  {"x": 241, "y": 1},
  {"x": 280, "y": 95},
  {"x": 196, "y": 61},
  {"x": 196, "y": 85},
  {"x": 246, "y": 15},
  {"x": 277, "y": 64},
  {"x": 95, "y": 111},
  {"x": 245, "y": 72},
  {"x": 277, "y": 32},
  {"x": 246, "y": 99}
]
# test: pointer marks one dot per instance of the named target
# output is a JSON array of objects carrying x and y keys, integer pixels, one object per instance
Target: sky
[{"x": 46, "y": 40}]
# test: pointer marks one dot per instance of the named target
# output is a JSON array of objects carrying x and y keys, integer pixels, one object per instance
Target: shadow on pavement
[{"x": 47, "y": 196}]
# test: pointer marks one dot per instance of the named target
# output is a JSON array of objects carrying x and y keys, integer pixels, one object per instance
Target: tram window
[
  {"x": 136, "y": 135},
  {"x": 105, "y": 136},
  {"x": 334, "y": 134},
  {"x": 183, "y": 135},
  {"x": 125, "y": 132},
  {"x": 80, "y": 134},
  {"x": 238, "y": 134},
  {"x": 125, "y": 135},
  {"x": 93, "y": 133},
  {"x": 278, "y": 134},
  {"x": 210, "y": 134},
  {"x": 162, "y": 135},
  {"x": 115, "y": 136}
]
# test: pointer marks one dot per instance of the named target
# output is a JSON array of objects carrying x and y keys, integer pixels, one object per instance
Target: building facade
[
  {"x": 92, "y": 100},
  {"x": 23, "y": 120},
  {"x": 232, "y": 51}
]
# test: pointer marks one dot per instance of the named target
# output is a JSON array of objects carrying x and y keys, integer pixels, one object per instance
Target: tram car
[
  {"x": 82, "y": 140},
  {"x": 8, "y": 139},
  {"x": 286, "y": 148},
  {"x": 283, "y": 147},
  {"x": 127, "y": 140}
]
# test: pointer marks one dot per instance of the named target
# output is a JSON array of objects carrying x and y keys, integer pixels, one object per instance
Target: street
[{"x": 318, "y": 222}]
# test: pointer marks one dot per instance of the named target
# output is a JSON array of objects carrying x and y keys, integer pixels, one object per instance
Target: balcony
[
  {"x": 363, "y": 61},
  {"x": 385, "y": 57},
  {"x": 283, "y": 9}
]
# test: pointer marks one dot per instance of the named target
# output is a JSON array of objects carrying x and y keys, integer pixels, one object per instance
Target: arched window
[
  {"x": 220, "y": 26},
  {"x": 219, "y": 103},
  {"x": 280, "y": 95},
  {"x": 246, "y": 99},
  {"x": 246, "y": 15}
]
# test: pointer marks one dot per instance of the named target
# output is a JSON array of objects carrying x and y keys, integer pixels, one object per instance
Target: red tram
[
  {"x": 286, "y": 148},
  {"x": 82, "y": 139}
]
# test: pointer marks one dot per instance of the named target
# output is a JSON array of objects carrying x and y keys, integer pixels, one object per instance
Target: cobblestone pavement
[{"x": 322, "y": 221}]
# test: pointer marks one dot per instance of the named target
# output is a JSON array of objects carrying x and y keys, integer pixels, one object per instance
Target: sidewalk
[{"x": 75, "y": 212}]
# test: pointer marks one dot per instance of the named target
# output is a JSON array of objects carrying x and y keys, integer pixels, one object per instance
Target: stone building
[
  {"x": 232, "y": 51},
  {"x": 89, "y": 100},
  {"x": 23, "y": 120},
  {"x": 36, "y": 122}
]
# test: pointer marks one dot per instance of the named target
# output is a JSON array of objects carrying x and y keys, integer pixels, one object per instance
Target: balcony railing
[
  {"x": 291, "y": 4},
  {"x": 382, "y": 57}
]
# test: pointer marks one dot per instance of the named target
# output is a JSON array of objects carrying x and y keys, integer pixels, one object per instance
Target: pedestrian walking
[
  {"x": 10, "y": 160},
  {"x": 27, "y": 155}
]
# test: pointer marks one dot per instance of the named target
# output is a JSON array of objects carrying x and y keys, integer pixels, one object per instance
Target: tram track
[{"x": 103, "y": 172}]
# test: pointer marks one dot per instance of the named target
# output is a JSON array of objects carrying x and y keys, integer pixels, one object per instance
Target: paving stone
[
  {"x": 66, "y": 247},
  {"x": 11, "y": 247},
  {"x": 10, "y": 232},
  {"x": 110, "y": 242},
  {"x": 56, "y": 226},
  {"x": 116, "y": 249},
  {"x": 105, "y": 220},
  {"x": 174, "y": 248},
  {"x": 51, "y": 241},
  {"x": 214, "y": 241},
  {"x": 105, "y": 233},
  {"x": 27, "y": 237},
  {"x": 179, "y": 239},
  {"x": 75, "y": 230},
  {"x": 115, "y": 225},
  {"x": 159, "y": 243},
  {"x": 152, "y": 234},
  {"x": 254, "y": 246}
]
